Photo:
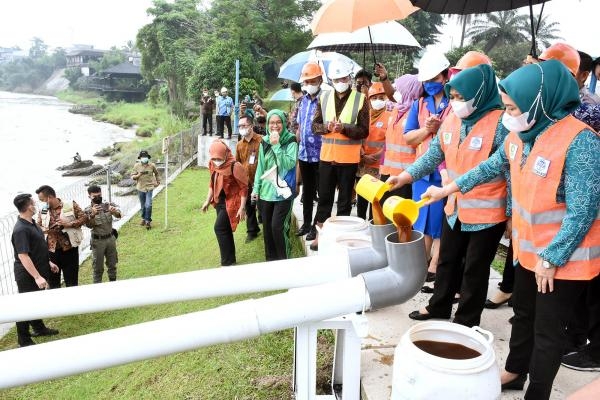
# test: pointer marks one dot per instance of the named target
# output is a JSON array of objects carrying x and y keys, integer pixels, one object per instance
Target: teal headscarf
[
  {"x": 285, "y": 136},
  {"x": 559, "y": 94},
  {"x": 478, "y": 82}
]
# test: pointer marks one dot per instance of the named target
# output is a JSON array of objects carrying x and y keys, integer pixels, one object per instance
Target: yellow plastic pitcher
[
  {"x": 371, "y": 188},
  {"x": 402, "y": 211}
]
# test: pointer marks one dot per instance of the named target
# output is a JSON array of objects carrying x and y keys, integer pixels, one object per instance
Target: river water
[{"x": 39, "y": 134}]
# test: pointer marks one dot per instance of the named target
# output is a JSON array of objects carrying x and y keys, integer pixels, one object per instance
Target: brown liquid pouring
[
  {"x": 378, "y": 217},
  {"x": 404, "y": 228},
  {"x": 452, "y": 351}
]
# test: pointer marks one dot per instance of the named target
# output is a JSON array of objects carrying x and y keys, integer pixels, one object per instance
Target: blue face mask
[{"x": 433, "y": 88}]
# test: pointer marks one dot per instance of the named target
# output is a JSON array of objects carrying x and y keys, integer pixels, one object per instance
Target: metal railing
[{"x": 180, "y": 150}]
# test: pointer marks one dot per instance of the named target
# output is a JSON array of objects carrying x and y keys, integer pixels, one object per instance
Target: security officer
[
  {"x": 100, "y": 219},
  {"x": 343, "y": 119}
]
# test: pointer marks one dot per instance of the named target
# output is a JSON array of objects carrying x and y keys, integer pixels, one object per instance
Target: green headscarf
[
  {"x": 285, "y": 136},
  {"x": 559, "y": 94},
  {"x": 478, "y": 82}
]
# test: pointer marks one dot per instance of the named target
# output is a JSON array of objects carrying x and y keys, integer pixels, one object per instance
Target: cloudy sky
[{"x": 109, "y": 23}]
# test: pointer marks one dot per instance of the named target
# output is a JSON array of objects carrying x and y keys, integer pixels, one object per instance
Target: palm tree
[
  {"x": 547, "y": 32},
  {"x": 464, "y": 20},
  {"x": 503, "y": 27}
]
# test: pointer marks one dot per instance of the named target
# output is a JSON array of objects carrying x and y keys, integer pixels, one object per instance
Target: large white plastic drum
[
  {"x": 352, "y": 232},
  {"x": 418, "y": 374}
]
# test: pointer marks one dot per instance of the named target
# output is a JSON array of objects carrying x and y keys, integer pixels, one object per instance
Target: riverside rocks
[
  {"x": 83, "y": 171},
  {"x": 76, "y": 165}
]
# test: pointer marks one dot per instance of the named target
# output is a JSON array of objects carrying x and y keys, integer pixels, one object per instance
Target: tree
[
  {"x": 112, "y": 57},
  {"x": 456, "y": 53},
  {"x": 494, "y": 29},
  {"x": 547, "y": 32},
  {"x": 170, "y": 44},
  {"x": 424, "y": 26},
  {"x": 508, "y": 57},
  {"x": 38, "y": 48}
]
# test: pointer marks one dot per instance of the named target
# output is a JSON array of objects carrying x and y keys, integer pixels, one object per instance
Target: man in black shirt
[{"x": 32, "y": 264}]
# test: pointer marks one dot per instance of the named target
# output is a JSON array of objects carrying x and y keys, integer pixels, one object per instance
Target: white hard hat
[
  {"x": 431, "y": 64},
  {"x": 339, "y": 69},
  {"x": 223, "y": 89}
]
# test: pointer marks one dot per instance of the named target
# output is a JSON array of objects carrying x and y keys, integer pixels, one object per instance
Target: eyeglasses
[
  {"x": 243, "y": 126},
  {"x": 275, "y": 123}
]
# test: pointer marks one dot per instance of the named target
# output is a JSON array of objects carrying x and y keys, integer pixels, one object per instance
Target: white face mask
[
  {"x": 462, "y": 109},
  {"x": 398, "y": 97},
  {"x": 218, "y": 163},
  {"x": 244, "y": 131},
  {"x": 517, "y": 124},
  {"x": 311, "y": 89},
  {"x": 341, "y": 87},
  {"x": 377, "y": 104},
  {"x": 144, "y": 160}
]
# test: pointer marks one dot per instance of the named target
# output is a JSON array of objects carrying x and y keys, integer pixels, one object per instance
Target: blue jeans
[{"x": 146, "y": 205}]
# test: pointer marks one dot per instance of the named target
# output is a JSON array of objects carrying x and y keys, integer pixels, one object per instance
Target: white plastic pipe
[
  {"x": 225, "y": 324},
  {"x": 216, "y": 282}
]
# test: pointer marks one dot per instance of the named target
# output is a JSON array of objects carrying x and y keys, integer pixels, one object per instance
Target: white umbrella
[
  {"x": 386, "y": 36},
  {"x": 292, "y": 68}
]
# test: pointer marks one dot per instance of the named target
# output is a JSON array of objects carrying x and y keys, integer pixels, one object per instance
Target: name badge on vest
[
  {"x": 476, "y": 143},
  {"x": 252, "y": 158},
  {"x": 379, "y": 124},
  {"x": 512, "y": 151},
  {"x": 541, "y": 167},
  {"x": 447, "y": 137}
]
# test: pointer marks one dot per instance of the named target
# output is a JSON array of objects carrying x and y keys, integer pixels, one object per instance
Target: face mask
[
  {"x": 517, "y": 124},
  {"x": 44, "y": 206},
  {"x": 244, "y": 131},
  {"x": 205, "y": 94},
  {"x": 398, "y": 97},
  {"x": 377, "y": 104},
  {"x": 218, "y": 163},
  {"x": 311, "y": 89},
  {"x": 144, "y": 160},
  {"x": 433, "y": 88},
  {"x": 341, "y": 87},
  {"x": 462, "y": 109},
  {"x": 97, "y": 200}
]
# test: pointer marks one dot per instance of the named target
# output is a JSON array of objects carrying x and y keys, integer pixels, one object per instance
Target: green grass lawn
[{"x": 260, "y": 368}]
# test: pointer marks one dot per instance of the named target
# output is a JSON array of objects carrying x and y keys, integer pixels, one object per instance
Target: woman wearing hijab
[
  {"x": 227, "y": 193},
  {"x": 475, "y": 222},
  {"x": 398, "y": 154},
  {"x": 555, "y": 182},
  {"x": 274, "y": 184}
]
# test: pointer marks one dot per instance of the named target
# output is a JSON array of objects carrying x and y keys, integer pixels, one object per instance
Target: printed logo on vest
[
  {"x": 447, "y": 137},
  {"x": 512, "y": 151},
  {"x": 541, "y": 167},
  {"x": 476, "y": 143},
  {"x": 379, "y": 124}
]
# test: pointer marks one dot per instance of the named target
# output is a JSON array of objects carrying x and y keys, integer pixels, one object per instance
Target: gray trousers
[{"x": 101, "y": 249}]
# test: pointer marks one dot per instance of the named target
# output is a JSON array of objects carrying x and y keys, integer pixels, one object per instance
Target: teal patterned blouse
[
  {"x": 579, "y": 188},
  {"x": 434, "y": 156}
]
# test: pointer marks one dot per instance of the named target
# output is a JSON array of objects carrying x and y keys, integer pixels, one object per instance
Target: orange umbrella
[{"x": 350, "y": 15}]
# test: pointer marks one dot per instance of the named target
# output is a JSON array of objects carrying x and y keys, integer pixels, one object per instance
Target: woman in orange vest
[
  {"x": 422, "y": 123},
  {"x": 555, "y": 181},
  {"x": 372, "y": 146},
  {"x": 474, "y": 222},
  {"x": 398, "y": 154}
]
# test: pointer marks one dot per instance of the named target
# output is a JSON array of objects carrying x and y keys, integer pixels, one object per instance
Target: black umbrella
[{"x": 463, "y": 7}]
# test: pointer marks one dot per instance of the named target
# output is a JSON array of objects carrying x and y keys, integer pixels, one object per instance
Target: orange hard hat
[
  {"x": 376, "y": 88},
  {"x": 310, "y": 70},
  {"x": 472, "y": 59},
  {"x": 563, "y": 53}
]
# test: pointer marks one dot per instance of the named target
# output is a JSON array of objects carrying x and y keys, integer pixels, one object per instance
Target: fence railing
[{"x": 182, "y": 151}]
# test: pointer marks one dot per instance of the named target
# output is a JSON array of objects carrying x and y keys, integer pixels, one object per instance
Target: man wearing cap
[
  {"x": 147, "y": 178},
  {"x": 224, "y": 110},
  {"x": 309, "y": 144},
  {"x": 342, "y": 119}
]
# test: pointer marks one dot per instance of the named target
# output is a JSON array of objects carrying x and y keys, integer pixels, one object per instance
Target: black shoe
[
  {"x": 45, "y": 332},
  {"x": 492, "y": 306},
  {"x": 416, "y": 315},
  {"x": 515, "y": 384},
  {"x": 581, "y": 361},
  {"x": 430, "y": 277},
  {"x": 27, "y": 343},
  {"x": 250, "y": 238},
  {"x": 304, "y": 229},
  {"x": 204, "y": 134},
  {"x": 314, "y": 246},
  {"x": 511, "y": 320},
  {"x": 312, "y": 234},
  {"x": 427, "y": 289}
]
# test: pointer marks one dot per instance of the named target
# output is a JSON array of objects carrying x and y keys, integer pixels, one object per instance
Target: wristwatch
[{"x": 547, "y": 264}]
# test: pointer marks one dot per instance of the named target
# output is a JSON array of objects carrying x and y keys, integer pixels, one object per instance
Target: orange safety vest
[
  {"x": 537, "y": 217},
  {"x": 399, "y": 155},
  {"x": 376, "y": 139},
  {"x": 336, "y": 146},
  {"x": 486, "y": 203},
  {"x": 423, "y": 115}
]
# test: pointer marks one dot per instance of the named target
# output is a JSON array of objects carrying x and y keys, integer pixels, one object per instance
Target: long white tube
[
  {"x": 216, "y": 282},
  {"x": 228, "y": 323}
]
